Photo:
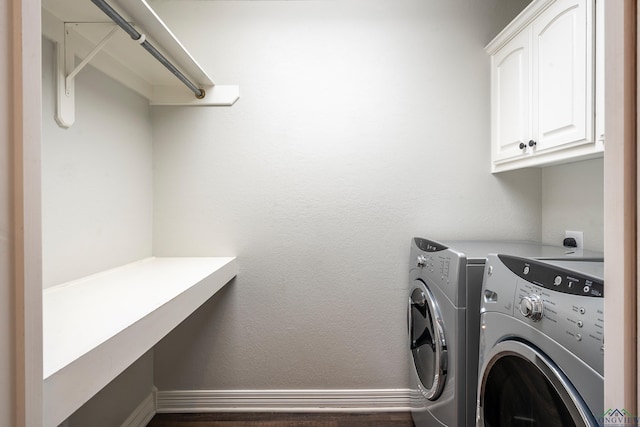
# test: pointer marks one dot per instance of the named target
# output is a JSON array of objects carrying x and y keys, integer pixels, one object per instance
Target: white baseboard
[
  {"x": 382, "y": 400},
  {"x": 141, "y": 416}
]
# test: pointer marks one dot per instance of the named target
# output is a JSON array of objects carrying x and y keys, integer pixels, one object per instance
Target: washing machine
[
  {"x": 541, "y": 343},
  {"x": 445, "y": 280}
]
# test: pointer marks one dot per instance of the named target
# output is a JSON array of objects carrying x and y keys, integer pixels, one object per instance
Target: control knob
[
  {"x": 421, "y": 261},
  {"x": 531, "y": 306}
]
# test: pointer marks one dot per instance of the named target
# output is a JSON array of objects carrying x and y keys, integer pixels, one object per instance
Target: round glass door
[
  {"x": 427, "y": 341},
  {"x": 522, "y": 388}
]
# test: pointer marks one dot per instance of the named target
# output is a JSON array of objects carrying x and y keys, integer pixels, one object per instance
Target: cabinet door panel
[
  {"x": 511, "y": 97},
  {"x": 562, "y": 77}
]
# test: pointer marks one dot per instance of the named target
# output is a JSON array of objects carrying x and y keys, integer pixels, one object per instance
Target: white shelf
[
  {"x": 80, "y": 26},
  {"x": 96, "y": 327}
]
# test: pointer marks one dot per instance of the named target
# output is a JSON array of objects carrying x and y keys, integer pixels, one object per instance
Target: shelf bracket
[{"x": 67, "y": 71}]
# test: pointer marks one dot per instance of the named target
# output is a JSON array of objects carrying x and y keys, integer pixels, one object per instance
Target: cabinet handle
[
  {"x": 531, "y": 143},
  {"x": 522, "y": 146}
]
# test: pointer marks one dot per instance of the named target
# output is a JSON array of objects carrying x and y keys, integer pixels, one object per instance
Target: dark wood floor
[{"x": 268, "y": 419}]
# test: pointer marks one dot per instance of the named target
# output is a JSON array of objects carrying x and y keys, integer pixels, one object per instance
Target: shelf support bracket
[{"x": 67, "y": 71}]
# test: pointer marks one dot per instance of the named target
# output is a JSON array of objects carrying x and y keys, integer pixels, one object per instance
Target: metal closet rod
[{"x": 141, "y": 39}]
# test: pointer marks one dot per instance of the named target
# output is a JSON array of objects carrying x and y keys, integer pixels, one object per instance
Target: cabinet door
[
  {"x": 511, "y": 97},
  {"x": 562, "y": 75}
]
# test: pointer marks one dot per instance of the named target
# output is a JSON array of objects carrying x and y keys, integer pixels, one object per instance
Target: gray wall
[
  {"x": 573, "y": 199},
  {"x": 114, "y": 403},
  {"x": 96, "y": 178},
  {"x": 360, "y": 125},
  {"x": 97, "y": 209},
  {"x": 316, "y": 179}
]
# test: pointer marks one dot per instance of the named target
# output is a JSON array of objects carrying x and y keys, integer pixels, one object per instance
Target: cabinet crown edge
[{"x": 524, "y": 18}]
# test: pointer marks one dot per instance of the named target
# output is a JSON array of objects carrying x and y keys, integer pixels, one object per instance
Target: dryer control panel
[
  {"x": 565, "y": 304},
  {"x": 438, "y": 265}
]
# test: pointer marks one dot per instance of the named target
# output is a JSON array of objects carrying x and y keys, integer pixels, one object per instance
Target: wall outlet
[{"x": 577, "y": 235}]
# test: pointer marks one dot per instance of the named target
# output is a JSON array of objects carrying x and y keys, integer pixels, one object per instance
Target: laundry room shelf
[
  {"x": 79, "y": 27},
  {"x": 97, "y": 326}
]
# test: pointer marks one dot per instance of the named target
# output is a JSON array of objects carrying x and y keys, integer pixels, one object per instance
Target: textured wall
[
  {"x": 114, "y": 403},
  {"x": 96, "y": 178},
  {"x": 573, "y": 199},
  {"x": 360, "y": 125},
  {"x": 97, "y": 209}
]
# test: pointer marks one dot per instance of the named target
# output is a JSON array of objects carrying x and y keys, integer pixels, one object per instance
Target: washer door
[
  {"x": 520, "y": 386},
  {"x": 427, "y": 341}
]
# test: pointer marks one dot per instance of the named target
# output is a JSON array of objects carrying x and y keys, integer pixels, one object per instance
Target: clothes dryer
[
  {"x": 541, "y": 343},
  {"x": 445, "y": 280}
]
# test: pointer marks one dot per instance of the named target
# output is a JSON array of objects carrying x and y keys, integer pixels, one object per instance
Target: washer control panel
[
  {"x": 532, "y": 306},
  {"x": 555, "y": 278},
  {"x": 565, "y": 304}
]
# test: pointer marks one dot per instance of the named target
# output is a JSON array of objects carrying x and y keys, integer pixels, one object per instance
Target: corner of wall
[{"x": 573, "y": 199}]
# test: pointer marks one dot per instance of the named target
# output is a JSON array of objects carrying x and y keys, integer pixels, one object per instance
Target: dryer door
[
  {"x": 521, "y": 386},
  {"x": 428, "y": 345}
]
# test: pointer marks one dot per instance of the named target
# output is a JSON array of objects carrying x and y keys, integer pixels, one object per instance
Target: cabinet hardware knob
[
  {"x": 532, "y": 143},
  {"x": 522, "y": 146}
]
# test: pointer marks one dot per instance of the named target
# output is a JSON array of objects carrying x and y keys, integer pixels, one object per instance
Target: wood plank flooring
[{"x": 275, "y": 419}]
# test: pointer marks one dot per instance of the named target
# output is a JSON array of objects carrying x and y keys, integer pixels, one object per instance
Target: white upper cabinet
[
  {"x": 511, "y": 89},
  {"x": 543, "y": 86},
  {"x": 562, "y": 107},
  {"x": 599, "y": 40}
]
